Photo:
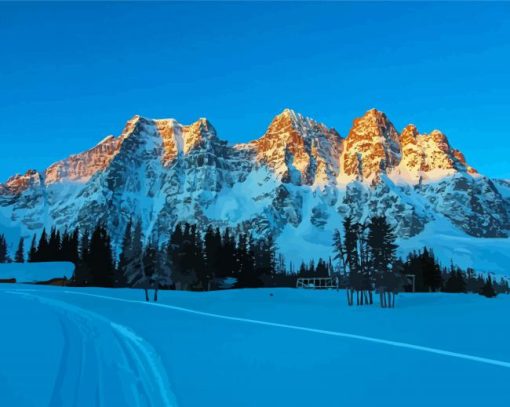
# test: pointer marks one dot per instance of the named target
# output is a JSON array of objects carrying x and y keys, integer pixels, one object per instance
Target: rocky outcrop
[{"x": 299, "y": 150}]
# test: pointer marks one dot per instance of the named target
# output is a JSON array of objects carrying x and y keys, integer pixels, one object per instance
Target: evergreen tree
[
  {"x": 488, "y": 289},
  {"x": 197, "y": 259},
  {"x": 339, "y": 252},
  {"x": 163, "y": 270},
  {"x": 100, "y": 259},
  {"x": 32, "y": 253},
  {"x": 455, "y": 282},
  {"x": 426, "y": 269},
  {"x": 180, "y": 250},
  {"x": 502, "y": 287},
  {"x": 381, "y": 241},
  {"x": 227, "y": 258},
  {"x": 74, "y": 247},
  {"x": 127, "y": 241},
  {"x": 65, "y": 246},
  {"x": 248, "y": 275},
  {"x": 321, "y": 269},
  {"x": 20, "y": 253},
  {"x": 432, "y": 279},
  {"x": 382, "y": 258},
  {"x": 471, "y": 281},
  {"x": 350, "y": 249},
  {"x": 265, "y": 256},
  {"x": 270, "y": 250},
  {"x": 54, "y": 246},
  {"x": 356, "y": 255},
  {"x": 303, "y": 272},
  {"x": 212, "y": 252},
  {"x": 42, "y": 248},
  {"x": 82, "y": 274},
  {"x": 84, "y": 248},
  {"x": 69, "y": 245},
  {"x": 3, "y": 249},
  {"x": 133, "y": 256}
]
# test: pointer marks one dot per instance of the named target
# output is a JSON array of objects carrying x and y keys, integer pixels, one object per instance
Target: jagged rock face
[
  {"x": 428, "y": 157},
  {"x": 162, "y": 171},
  {"x": 17, "y": 184},
  {"x": 472, "y": 204},
  {"x": 372, "y": 145},
  {"x": 24, "y": 195},
  {"x": 299, "y": 150},
  {"x": 299, "y": 177},
  {"x": 503, "y": 187},
  {"x": 82, "y": 167}
]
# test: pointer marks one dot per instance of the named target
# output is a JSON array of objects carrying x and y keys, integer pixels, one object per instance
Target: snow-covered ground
[
  {"x": 260, "y": 347},
  {"x": 34, "y": 272}
]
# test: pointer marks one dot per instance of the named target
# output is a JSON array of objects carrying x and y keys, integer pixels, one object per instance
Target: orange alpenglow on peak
[{"x": 294, "y": 146}]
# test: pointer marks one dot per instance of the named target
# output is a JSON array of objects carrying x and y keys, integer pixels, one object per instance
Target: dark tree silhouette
[
  {"x": 488, "y": 289},
  {"x": 355, "y": 249},
  {"x": 3, "y": 249},
  {"x": 100, "y": 259},
  {"x": 382, "y": 259},
  {"x": 456, "y": 282},
  {"x": 19, "y": 257},
  {"x": 32, "y": 253},
  {"x": 212, "y": 253},
  {"x": 127, "y": 241},
  {"x": 180, "y": 253},
  {"x": 249, "y": 275},
  {"x": 53, "y": 249},
  {"x": 42, "y": 248}
]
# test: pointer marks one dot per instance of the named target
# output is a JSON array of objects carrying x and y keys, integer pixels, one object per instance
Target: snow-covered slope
[{"x": 297, "y": 182}]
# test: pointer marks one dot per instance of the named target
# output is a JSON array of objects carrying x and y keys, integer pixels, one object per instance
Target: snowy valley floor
[{"x": 105, "y": 347}]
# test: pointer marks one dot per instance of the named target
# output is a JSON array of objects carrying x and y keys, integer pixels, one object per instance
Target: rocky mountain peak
[
  {"x": 289, "y": 120},
  {"x": 298, "y": 148},
  {"x": 409, "y": 134},
  {"x": 429, "y": 157},
  {"x": 18, "y": 183},
  {"x": 374, "y": 122},
  {"x": 371, "y": 146},
  {"x": 130, "y": 125}
]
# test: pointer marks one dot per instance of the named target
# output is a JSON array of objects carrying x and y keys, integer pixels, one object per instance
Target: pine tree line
[
  {"x": 430, "y": 276},
  {"x": 322, "y": 269},
  {"x": 425, "y": 269},
  {"x": 53, "y": 247},
  {"x": 193, "y": 260},
  {"x": 367, "y": 259},
  {"x": 205, "y": 261}
]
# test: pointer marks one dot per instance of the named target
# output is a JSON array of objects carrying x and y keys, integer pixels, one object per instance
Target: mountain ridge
[{"x": 300, "y": 178}]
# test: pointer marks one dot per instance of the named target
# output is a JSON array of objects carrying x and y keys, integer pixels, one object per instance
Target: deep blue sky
[{"x": 72, "y": 73}]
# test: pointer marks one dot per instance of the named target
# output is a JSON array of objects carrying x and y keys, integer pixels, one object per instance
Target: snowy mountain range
[{"x": 297, "y": 182}]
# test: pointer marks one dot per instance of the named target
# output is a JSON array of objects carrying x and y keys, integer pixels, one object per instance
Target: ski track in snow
[
  {"x": 397, "y": 344},
  {"x": 87, "y": 358}
]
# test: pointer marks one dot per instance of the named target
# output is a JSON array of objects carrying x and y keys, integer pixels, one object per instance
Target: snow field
[{"x": 248, "y": 348}]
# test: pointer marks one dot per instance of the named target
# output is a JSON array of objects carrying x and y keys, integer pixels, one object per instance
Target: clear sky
[{"x": 71, "y": 73}]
